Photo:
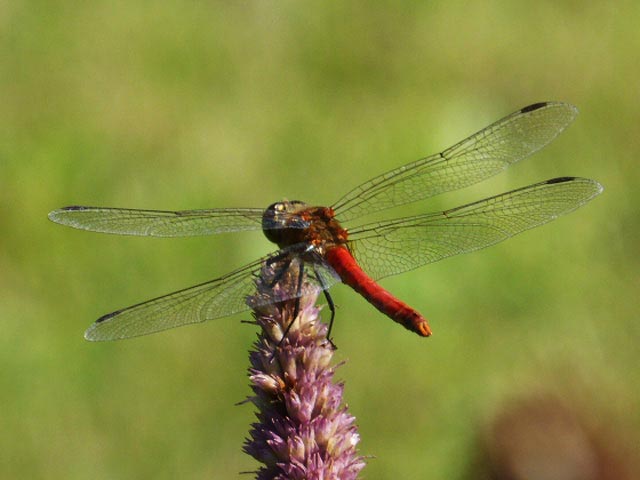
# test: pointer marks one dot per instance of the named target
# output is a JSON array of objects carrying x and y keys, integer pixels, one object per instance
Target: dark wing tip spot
[
  {"x": 561, "y": 180},
  {"x": 73, "y": 208},
  {"x": 596, "y": 187},
  {"x": 106, "y": 317},
  {"x": 535, "y": 106}
]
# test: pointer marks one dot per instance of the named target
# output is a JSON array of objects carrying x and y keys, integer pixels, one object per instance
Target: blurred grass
[{"x": 194, "y": 105}]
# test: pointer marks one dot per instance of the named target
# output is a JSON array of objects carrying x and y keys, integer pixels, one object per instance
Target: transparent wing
[
  {"x": 217, "y": 298},
  {"x": 476, "y": 158},
  {"x": 158, "y": 223},
  {"x": 391, "y": 247}
]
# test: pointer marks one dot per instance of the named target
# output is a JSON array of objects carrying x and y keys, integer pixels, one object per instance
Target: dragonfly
[{"x": 313, "y": 239}]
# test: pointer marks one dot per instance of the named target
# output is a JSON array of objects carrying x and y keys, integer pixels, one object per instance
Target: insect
[{"x": 314, "y": 240}]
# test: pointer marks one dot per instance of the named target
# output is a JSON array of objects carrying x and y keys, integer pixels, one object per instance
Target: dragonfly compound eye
[{"x": 279, "y": 218}]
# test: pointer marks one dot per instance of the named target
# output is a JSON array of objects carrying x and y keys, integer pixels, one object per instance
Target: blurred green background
[{"x": 184, "y": 105}]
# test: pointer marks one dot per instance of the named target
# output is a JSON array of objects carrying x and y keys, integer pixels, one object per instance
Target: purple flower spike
[{"x": 303, "y": 431}]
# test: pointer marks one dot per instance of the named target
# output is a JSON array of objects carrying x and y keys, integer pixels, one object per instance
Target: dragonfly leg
[
  {"x": 332, "y": 308},
  {"x": 279, "y": 274}
]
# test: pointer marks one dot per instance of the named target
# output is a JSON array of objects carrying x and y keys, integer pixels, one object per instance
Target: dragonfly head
[{"x": 280, "y": 217}]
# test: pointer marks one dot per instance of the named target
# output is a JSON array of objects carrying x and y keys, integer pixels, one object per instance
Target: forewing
[
  {"x": 217, "y": 298},
  {"x": 158, "y": 223},
  {"x": 476, "y": 158},
  {"x": 388, "y": 248}
]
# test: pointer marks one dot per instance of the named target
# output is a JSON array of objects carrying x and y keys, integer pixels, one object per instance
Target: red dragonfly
[{"x": 313, "y": 238}]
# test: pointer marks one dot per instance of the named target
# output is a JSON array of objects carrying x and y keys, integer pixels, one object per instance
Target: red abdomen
[{"x": 350, "y": 272}]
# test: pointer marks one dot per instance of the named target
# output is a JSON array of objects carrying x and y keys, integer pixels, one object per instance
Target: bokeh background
[{"x": 183, "y": 105}]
